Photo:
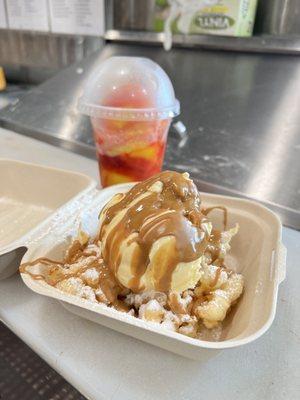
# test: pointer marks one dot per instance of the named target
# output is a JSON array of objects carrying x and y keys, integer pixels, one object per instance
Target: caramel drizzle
[
  {"x": 42, "y": 260},
  {"x": 207, "y": 210},
  {"x": 58, "y": 271},
  {"x": 175, "y": 212},
  {"x": 216, "y": 278},
  {"x": 214, "y": 240}
]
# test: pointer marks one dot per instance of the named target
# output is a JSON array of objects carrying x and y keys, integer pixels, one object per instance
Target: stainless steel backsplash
[
  {"x": 132, "y": 14},
  {"x": 279, "y": 17},
  {"x": 34, "y": 57}
]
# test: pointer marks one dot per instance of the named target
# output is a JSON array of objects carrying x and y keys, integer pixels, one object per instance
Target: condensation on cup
[{"x": 131, "y": 102}]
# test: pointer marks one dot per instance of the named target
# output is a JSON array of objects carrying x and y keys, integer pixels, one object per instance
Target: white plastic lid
[{"x": 129, "y": 88}]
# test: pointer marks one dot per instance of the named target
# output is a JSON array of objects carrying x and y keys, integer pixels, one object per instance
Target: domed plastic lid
[{"x": 129, "y": 88}]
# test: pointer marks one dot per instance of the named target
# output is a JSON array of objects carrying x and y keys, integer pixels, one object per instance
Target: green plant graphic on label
[{"x": 213, "y": 21}]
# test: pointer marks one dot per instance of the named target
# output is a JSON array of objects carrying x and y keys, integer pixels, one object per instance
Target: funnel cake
[{"x": 157, "y": 256}]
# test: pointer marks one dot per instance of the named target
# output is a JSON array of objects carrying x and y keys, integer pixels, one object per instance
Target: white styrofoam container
[
  {"x": 30, "y": 196},
  {"x": 257, "y": 252}
]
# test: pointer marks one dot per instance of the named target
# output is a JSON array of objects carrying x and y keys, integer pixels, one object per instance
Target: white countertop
[{"x": 104, "y": 364}]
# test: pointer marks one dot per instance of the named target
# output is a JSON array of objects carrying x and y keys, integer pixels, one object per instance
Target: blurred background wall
[{"x": 65, "y": 31}]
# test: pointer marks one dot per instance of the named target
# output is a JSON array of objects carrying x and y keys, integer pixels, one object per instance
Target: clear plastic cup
[{"x": 131, "y": 103}]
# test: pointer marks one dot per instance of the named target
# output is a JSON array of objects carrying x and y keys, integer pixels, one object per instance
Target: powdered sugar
[
  {"x": 152, "y": 311},
  {"x": 91, "y": 276},
  {"x": 153, "y": 305},
  {"x": 87, "y": 293},
  {"x": 71, "y": 285},
  {"x": 137, "y": 300}
]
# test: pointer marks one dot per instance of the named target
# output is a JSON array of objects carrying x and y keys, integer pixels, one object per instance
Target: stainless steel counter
[{"x": 241, "y": 112}]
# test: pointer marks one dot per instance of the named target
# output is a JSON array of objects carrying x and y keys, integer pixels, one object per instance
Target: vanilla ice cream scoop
[{"x": 154, "y": 236}]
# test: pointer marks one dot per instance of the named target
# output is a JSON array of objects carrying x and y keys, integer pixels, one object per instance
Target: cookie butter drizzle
[
  {"x": 58, "y": 271},
  {"x": 173, "y": 211},
  {"x": 214, "y": 239}
]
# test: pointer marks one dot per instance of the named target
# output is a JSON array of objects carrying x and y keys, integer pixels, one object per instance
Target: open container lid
[
  {"x": 30, "y": 196},
  {"x": 129, "y": 88}
]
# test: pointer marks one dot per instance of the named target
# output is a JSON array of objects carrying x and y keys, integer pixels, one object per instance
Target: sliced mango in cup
[
  {"x": 109, "y": 178},
  {"x": 147, "y": 153}
]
